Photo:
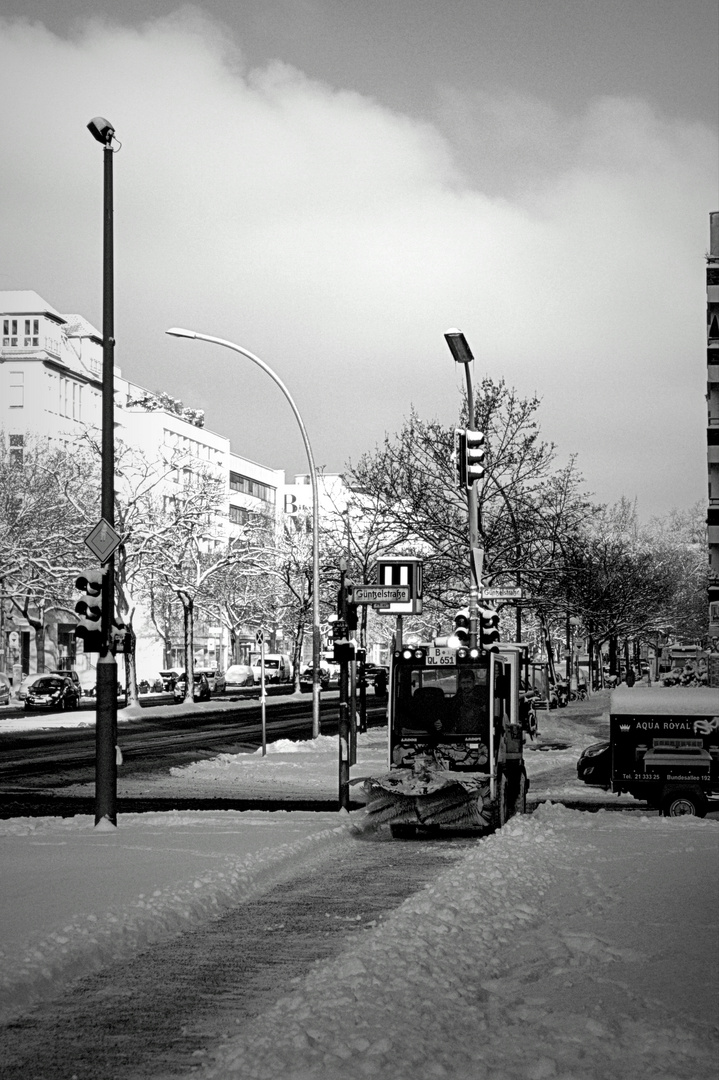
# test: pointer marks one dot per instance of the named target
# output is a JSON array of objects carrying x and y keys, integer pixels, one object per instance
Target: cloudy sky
[{"x": 334, "y": 183}]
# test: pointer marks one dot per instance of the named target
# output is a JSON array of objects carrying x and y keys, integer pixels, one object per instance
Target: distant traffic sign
[
  {"x": 102, "y": 540},
  {"x": 378, "y": 594},
  {"x": 490, "y": 593}
]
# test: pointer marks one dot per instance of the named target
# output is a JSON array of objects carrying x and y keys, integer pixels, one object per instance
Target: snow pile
[
  {"x": 528, "y": 959},
  {"x": 74, "y": 898},
  {"x": 307, "y": 767}
]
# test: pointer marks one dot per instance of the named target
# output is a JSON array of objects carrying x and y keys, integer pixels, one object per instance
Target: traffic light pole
[
  {"x": 459, "y": 347},
  {"x": 344, "y": 713},
  {"x": 106, "y": 714},
  {"x": 474, "y": 540}
]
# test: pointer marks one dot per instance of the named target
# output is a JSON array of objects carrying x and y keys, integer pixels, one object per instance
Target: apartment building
[{"x": 51, "y": 388}]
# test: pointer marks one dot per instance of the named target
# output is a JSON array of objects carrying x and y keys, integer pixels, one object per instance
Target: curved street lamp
[{"x": 177, "y": 331}]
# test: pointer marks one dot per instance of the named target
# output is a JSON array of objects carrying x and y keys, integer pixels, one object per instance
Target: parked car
[
  {"x": 278, "y": 667},
  {"x": 239, "y": 675},
  {"x": 215, "y": 677},
  {"x": 73, "y": 675},
  {"x": 306, "y": 677},
  {"x": 377, "y": 676},
  {"x": 52, "y": 692},
  {"x": 169, "y": 677},
  {"x": 200, "y": 691},
  {"x": 594, "y": 766},
  {"x": 5, "y": 689}
]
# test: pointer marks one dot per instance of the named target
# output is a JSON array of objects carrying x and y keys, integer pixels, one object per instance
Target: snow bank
[{"x": 537, "y": 956}]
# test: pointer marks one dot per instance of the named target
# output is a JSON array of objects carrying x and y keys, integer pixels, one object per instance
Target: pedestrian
[{"x": 631, "y": 677}]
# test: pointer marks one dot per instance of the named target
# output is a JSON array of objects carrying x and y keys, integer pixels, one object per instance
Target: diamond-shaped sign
[{"x": 103, "y": 540}]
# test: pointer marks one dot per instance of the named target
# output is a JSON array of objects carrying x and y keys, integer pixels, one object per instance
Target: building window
[
  {"x": 32, "y": 332},
  {"x": 9, "y": 332},
  {"x": 252, "y": 487},
  {"x": 238, "y": 515},
  {"x": 17, "y": 442},
  {"x": 16, "y": 388}
]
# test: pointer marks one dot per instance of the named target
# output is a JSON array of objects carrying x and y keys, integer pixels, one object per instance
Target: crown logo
[{"x": 624, "y": 727}]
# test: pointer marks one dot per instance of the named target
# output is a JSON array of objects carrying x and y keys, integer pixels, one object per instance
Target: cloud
[{"x": 338, "y": 239}]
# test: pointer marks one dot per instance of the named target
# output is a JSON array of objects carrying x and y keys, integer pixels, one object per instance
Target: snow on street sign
[
  {"x": 378, "y": 594},
  {"x": 102, "y": 540}
]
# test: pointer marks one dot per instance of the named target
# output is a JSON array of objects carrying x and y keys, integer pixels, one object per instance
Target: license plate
[{"x": 440, "y": 657}]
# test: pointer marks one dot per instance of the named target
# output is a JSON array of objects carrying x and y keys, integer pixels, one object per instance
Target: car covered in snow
[{"x": 239, "y": 675}]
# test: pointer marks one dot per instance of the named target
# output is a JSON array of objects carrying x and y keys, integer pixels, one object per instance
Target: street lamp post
[
  {"x": 459, "y": 347},
  {"x": 106, "y": 715},
  {"x": 176, "y": 331}
]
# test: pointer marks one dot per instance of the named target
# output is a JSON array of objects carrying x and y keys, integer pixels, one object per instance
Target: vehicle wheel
[
  {"x": 684, "y": 801},
  {"x": 27, "y": 707},
  {"x": 520, "y": 805},
  {"x": 500, "y": 810}
]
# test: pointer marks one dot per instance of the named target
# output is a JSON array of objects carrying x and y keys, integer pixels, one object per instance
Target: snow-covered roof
[
  {"x": 665, "y": 700},
  {"x": 79, "y": 326},
  {"x": 27, "y": 302}
]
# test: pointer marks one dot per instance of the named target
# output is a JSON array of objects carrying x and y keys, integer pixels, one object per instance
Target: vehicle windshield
[
  {"x": 44, "y": 686},
  {"x": 448, "y": 701}
]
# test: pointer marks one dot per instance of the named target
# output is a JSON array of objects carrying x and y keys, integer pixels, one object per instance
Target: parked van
[{"x": 278, "y": 667}]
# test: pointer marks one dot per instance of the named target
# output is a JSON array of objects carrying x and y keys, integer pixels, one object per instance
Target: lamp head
[
  {"x": 101, "y": 129},
  {"x": 458, "y": 346},
  {"x": 177, "y": 331}
]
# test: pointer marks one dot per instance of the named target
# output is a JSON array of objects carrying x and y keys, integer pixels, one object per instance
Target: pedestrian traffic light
[
  {"x": 344, "y": 647},
  {"x": 489, "y": 629},
  {"x": 461, "y": 626},
  {"x": 89, "y": 609},
  {"x": 122, "y": 639}
]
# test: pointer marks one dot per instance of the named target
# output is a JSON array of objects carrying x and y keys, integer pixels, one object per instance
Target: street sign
[
  {"x": 378, "y": 594},
  {"x": 260, "y": 637},
  {"x": 490, "y": 593},
  {"x": 103, "y": 541},
  {"x": 397, "y": 571}
]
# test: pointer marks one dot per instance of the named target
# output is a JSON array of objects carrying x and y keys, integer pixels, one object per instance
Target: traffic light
[
  {"x": 470, "y": 456},
  {"x": 89, "y": 609},
  {"x": 350, "y": 609},
  {"x": 461, "y": 626},
  {"x": 489, "y": 629}
]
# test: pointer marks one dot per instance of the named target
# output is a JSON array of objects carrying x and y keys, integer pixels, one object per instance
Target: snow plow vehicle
[
  {"x": 663, "y": 749},
  {"x": 455, "y": 741}
]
